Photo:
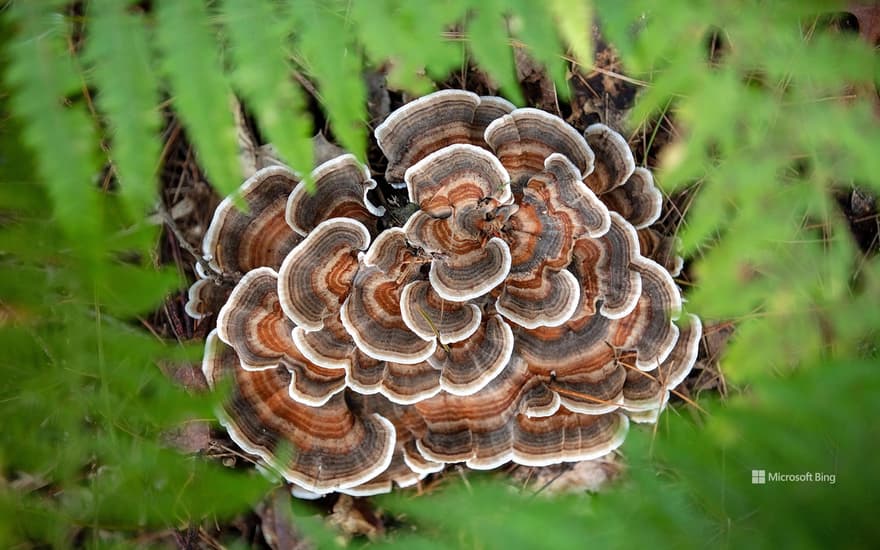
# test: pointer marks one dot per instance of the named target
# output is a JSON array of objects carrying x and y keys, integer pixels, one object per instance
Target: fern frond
[
  {"x": 489, "y": 43},
  {"x": 409, "y": 34},
  {"x": 63, "y": 138},
  {"x": 324, "y": 36},
  {"x": 201, "y": 92},
  {"x": 532, "y": 25},
  {"x": 119, "y": 54},
  {"x": 574, "y": 18},
  {"x": 333, "y": 59},
  {"x": 258, "y": 34}
]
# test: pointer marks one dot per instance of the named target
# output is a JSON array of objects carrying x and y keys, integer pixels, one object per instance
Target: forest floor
[{"x": 602, "y": 94}]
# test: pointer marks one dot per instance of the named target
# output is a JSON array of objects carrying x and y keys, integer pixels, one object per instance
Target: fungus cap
[{"x": 525, "y": 311}]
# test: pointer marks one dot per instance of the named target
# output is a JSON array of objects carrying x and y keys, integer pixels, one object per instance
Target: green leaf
[
  {"x": 575, "y": 21},
  {"x": 62, "y": 137},
  {"x": 407, "y": 36},
  {"x": 128, "y": 290},
  {"x": 262, "y": 73},
  {"x": 490, "y": 44},
  {"x": 532, "y": 24},
  {"x": 201, "y": 94},
  {"x": 335, "y": 62},
  {"x": 119, "y": 53}
]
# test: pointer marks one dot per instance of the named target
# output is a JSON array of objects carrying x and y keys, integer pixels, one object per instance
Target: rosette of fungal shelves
[{"x": 524, "y": 312}]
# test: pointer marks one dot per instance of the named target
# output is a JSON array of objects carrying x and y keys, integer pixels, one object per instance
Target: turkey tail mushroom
[{"x": 524, "y": 312}]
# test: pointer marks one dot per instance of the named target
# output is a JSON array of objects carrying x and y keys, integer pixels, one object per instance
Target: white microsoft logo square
[{"x": 759, "y": 477}]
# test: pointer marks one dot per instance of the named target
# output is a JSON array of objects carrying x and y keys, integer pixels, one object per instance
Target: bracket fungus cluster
[{"x": 524, "y": 312}]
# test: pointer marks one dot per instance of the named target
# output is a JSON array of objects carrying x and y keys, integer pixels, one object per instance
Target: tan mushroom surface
[
  {"x": 320, "y": 452},
  {"x": 238, "y": 241},
  {"x": 525, "y": 311}
]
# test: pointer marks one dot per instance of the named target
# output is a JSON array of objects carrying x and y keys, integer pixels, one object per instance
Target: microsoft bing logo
[{"x": 762, "y": 477}]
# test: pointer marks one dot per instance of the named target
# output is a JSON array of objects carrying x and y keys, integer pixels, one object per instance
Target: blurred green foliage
[
  {"x": 771, "y": 129},
  {"x": 768, "y": 134},
  {"x": 690, "y": 486}
]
